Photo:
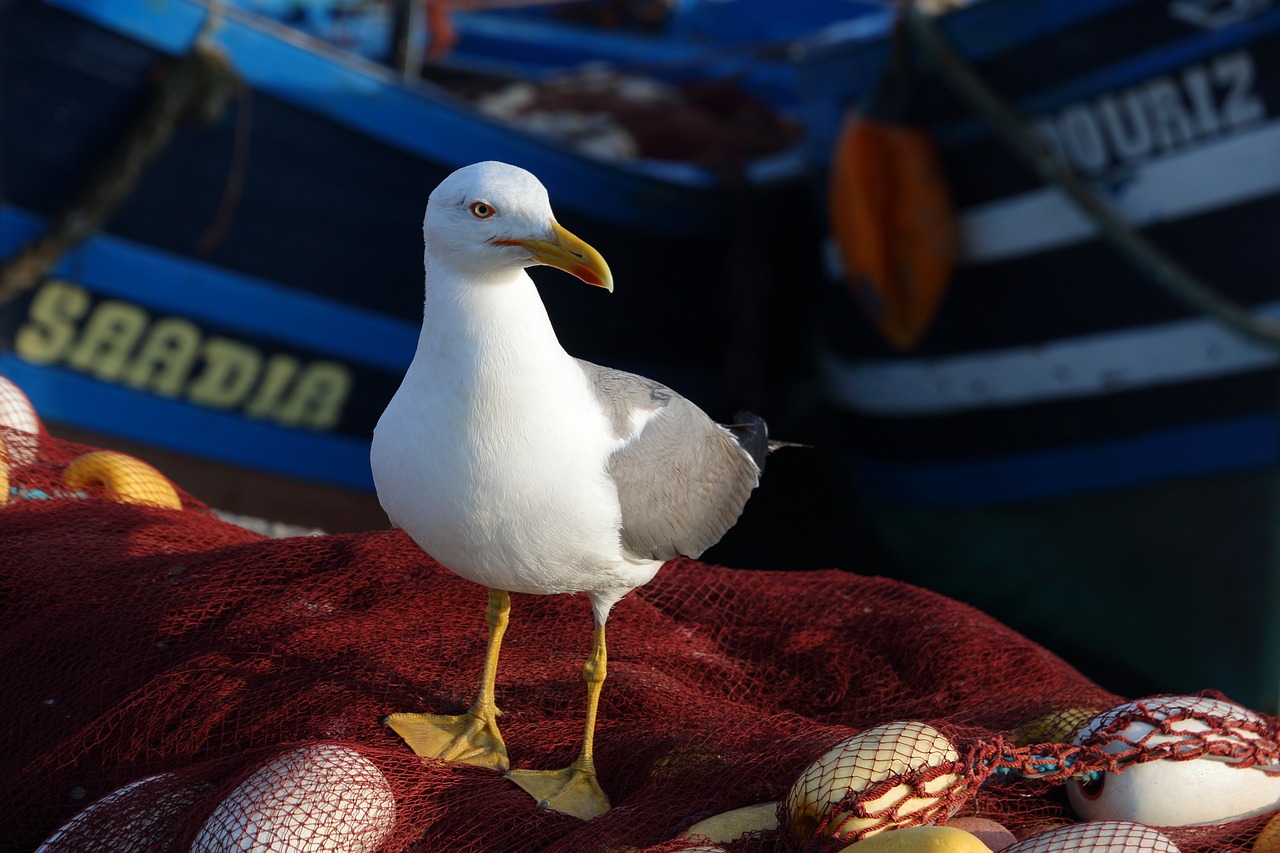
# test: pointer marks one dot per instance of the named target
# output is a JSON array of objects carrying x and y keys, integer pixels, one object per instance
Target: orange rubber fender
[
  {"x": 894, "y": 223},
  {"x": 122, "y": 479}
]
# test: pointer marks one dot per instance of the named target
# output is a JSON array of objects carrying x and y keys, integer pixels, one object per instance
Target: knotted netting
[{"x": 172, "y": 682}]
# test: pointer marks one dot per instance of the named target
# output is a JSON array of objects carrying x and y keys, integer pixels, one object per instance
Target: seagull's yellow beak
[{"x": 569, "y": 253}]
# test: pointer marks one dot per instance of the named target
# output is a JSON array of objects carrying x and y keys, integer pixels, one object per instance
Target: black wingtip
[{"x": 753, "y": 434}]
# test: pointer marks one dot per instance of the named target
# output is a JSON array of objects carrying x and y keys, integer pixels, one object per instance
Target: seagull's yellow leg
[
  {"x": 574, "y": 790},
  {"x": 472, "y": 737}
]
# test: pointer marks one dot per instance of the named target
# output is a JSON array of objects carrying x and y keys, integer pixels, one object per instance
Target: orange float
[
  {"x": 894, "y": 223},
  {"x": 121, "y": 478}
]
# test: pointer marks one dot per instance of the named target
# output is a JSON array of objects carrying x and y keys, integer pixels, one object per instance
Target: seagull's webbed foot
[
  {"x": 472, "y": 738},
  {"x": 573, "y": 790}
]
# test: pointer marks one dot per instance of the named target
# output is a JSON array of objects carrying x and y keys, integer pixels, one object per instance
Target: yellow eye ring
[{"x": 481, "y": 210}]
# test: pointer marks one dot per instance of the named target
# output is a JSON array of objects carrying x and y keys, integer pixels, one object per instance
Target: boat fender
[{"x": 894, "y": 225}]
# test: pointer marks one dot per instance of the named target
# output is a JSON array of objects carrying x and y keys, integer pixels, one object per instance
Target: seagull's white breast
[{"x": 492, "y": 455}]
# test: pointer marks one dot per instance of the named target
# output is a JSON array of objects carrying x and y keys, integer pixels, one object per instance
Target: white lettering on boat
[
  {"x": 1216, "y": 14},
  {"x": 1159, "y": 115},
  {"x": 118, "y": 342}
]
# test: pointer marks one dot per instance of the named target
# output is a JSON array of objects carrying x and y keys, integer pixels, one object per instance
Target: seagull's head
[{"x": 489, "y": 219}]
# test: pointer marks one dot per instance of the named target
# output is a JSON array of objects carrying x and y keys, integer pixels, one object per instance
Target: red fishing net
[{"x": 173, "y": 682}]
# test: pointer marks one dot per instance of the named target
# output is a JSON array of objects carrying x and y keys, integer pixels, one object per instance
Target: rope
[
  {"x": 199, "y": 83},
  {"x": 1171, "y": 276}
]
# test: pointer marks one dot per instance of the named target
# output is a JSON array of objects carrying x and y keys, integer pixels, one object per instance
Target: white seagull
[{"x": 522, "y": 468}]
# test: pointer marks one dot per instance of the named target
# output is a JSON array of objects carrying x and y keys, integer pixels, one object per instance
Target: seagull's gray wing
[{"x": 682, "y": 479}]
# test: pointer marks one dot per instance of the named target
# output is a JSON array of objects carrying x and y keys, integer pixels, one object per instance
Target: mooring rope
[{"x": 200, "y": 83}]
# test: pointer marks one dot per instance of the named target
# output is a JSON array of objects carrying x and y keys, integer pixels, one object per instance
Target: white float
[{"x": 1204, "y": 790}]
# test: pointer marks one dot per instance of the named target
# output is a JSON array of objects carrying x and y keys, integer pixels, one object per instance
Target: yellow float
[
  {"x": 920, "y": 839},
  {"x": 1055, "y": 727},
  {"x": 121, "y": 478},
  {"x": 732, "y": 825}
]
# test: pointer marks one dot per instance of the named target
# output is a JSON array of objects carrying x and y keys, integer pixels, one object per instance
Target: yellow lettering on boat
[
  {"x": 165, "y": 358},
  {"x": 230, "y": 369},
  {"x": 115, "y": 341},
  {"x": 109, "y": 336},
  {"x": 276, "y": 377},
  {"x": 317, "y": 396},
  {"x": 51, "y": 323}
]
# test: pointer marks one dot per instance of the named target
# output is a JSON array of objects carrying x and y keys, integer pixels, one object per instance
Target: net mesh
[{"x": 170, "y": 681}]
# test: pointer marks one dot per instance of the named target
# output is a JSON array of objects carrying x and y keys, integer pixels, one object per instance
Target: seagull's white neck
[{"x": 481, "y": 324}]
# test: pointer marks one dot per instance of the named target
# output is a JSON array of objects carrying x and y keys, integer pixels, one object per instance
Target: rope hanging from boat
[
  {"x": 1170, "y": 275},
  {"x": 199, "y": 83}
]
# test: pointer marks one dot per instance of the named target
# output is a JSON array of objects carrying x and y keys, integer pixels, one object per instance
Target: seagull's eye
[{"x": 481, "y": 210}]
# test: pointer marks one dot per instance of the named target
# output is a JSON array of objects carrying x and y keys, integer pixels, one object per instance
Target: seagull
[{"x": 524, "y": 469}]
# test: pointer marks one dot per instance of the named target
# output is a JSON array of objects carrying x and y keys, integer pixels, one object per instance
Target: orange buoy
[
  {"x": 894, "y": 224},
  {"x": 121, "y": 478}
]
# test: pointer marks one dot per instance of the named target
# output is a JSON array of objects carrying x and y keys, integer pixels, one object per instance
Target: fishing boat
[
  {"x": 1058, "y": 393},
  {"x": 748, "y": 40},
  {"x": 210, "y": 228}
]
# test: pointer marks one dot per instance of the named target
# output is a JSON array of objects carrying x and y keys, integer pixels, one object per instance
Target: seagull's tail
[{"x": 753, "y": 435}]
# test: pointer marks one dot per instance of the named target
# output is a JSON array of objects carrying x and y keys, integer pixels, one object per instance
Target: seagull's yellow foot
[
  {"x": 472, "y": 738},
  {"x": 575, "y": 790},
  {"x": 572, "y": 790}
]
